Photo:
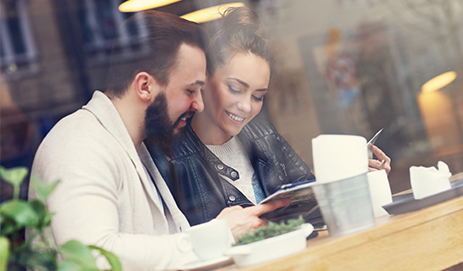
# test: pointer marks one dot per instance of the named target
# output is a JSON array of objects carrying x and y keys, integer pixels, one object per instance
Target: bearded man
[{"x": 110, "y": 192}]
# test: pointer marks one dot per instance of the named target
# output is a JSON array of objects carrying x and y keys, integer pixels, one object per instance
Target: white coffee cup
[
  {"x": 427, "y": 181},
  {"x": 380, "y": 191},
  {"x": 209, "y": 240}
]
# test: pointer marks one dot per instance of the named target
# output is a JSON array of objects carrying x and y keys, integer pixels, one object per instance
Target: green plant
[
  {"x": 36, "y": 253},
  {"x": 272, "y": 229}
]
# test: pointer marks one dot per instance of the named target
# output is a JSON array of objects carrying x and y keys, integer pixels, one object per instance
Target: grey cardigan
[{"x": 105, "y": 197}]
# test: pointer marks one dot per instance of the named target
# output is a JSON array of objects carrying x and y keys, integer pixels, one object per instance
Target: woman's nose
[{"x": 244, "y": 105}]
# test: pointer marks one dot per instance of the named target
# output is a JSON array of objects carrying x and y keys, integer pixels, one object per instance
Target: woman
[{"x": 223, "y": 157}]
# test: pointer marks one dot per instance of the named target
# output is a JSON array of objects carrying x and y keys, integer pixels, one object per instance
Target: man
[{"x": 111, "y": 193}]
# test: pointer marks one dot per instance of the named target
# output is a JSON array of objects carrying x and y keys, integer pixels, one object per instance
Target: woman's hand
[
  {"x": 378, "y": 164},
  {"x": 243, "y": 220}
]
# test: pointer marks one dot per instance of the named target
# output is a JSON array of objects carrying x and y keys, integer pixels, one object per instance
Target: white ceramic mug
[
  {"x": 209, "y": 240},
  {"x": 380, "y": 191}
]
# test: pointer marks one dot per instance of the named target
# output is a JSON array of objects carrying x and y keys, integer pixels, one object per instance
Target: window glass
[{"x": 342, "y": 67}]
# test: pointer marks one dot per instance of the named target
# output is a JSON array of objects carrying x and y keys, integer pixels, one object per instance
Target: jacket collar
[{"x": 105, "y": 111}]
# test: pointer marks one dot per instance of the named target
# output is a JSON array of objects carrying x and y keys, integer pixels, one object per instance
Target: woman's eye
[
  {"x": 233, "y": 90},
  {"x": 191, "y": 91},
  {"x": 258, "y": 98}
]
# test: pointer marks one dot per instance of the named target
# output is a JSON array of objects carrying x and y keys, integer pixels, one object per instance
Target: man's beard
[
  {"x": 157, "y": 122},
  {"x": 158, "y": 126}
]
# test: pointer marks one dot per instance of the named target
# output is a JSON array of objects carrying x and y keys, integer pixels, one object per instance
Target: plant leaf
[
  {"x": 42, "y": 189},
  {"x": 271, "y": 230},
  {"x": 7, "y": 227},
  {"x": 80, "y": 254},
  {"x": 47, "y": 220},
  {"x": 4, "y": 252},
  {"x": 42, "y": 213},
  {"x": 14, "y": 176},
  {"x": 35, "y": 259},
  {"x": 69, "y": 265},
  {"x": 20, "y": 212},
  {"x": 112, "y": 259}
]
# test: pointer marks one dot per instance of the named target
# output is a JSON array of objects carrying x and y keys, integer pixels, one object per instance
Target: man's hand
[
  {"x": 242, "y": 220},
  {"x": 377, "y": 164}
]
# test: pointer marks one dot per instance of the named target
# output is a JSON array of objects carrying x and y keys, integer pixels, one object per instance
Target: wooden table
[{"x": 428, "y": 239}]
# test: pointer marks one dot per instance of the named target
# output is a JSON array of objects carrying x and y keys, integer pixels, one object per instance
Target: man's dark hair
[{"x": 165, "y": 33}]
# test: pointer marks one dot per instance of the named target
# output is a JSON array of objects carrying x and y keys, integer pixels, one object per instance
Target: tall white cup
[
  {"x": 341, "y": 166},
  {"x": 209, "y": 240},
  {"x": 339, "y": 157},
  {"x": 380, "y": 191}
]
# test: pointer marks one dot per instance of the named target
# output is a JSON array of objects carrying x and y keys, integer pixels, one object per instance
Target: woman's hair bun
[
  {"x": 240, "y": 30},
  {"x": 241, "y": 19}
]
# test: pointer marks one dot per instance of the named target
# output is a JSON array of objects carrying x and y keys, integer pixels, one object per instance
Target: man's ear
[{"x": 146, "y": 87}]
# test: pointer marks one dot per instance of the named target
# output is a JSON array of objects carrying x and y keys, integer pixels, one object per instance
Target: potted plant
[
  {"x": 270, "y": 242},
  {"x": 36, "y": 253}
]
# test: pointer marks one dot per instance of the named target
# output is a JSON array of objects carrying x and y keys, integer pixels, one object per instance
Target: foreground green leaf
[
  {"x": 47, "y": 219},
  {"x": 43, "y": 215},
  {"x": 39, "y": 254},
  {"x": 42, "y": 189},
  {"x": 112, "y": 259},
  {"x": 80, "y": 254},
  {"x": 14, "y": 176},
  {"x": 21, "y": 212},
  {"x": 34, "y": 259},
  {"x": 4, "y": 252},
  {"x": 70, "y": 265},
  {"x": 8, "y": 226}
]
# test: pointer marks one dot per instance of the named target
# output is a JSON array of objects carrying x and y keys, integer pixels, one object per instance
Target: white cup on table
[
  {"x": 380, "y": 191},
  {"x": 341, "y": 166},
  {"x": 209, "y": 240},
  {"x": 427, "y": 181}
]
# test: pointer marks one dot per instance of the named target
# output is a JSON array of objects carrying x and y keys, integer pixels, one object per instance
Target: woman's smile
[{"x": 235, "y": 117}]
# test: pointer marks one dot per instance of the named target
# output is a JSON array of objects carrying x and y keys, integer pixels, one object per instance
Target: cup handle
[
  {"x": 239, "y": 250},
  {"x": 307, "y": 228},
  {"x": 184, "y": 243}
]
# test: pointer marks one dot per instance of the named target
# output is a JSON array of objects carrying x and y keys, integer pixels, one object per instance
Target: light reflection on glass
[{"x": 439, "y": 82}]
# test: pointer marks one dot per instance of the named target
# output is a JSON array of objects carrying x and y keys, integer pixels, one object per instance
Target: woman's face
[{"x": 234, "y": 94}]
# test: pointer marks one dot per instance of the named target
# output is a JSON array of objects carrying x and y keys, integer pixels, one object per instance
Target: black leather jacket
[{"x": 193, "y": 173}]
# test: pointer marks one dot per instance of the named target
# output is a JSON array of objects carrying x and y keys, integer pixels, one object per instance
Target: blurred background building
[{"x": 343, "y": 67}]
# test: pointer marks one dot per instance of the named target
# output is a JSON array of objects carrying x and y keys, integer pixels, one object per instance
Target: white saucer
[{"x": 214, "y": 263}]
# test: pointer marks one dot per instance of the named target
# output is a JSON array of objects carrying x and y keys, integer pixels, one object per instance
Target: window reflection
[
  {"x": 17, "y": 49},
  {"x": 343, "y": 66}
]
